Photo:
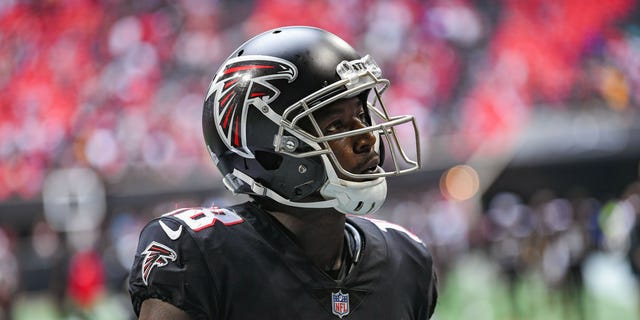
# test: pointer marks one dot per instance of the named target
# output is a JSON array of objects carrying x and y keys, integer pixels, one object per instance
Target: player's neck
[{"x": 319, "y": 234}]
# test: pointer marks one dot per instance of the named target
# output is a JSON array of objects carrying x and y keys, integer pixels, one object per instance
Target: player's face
[{"x": 357, "y": 153}]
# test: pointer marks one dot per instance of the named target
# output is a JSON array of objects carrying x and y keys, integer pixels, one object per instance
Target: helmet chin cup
[{"x": 357, "y": 198}]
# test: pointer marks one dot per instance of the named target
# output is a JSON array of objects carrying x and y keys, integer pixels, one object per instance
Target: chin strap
[
  {"x": 261, "y": 190},
  {"x": 348, "y": 197}
]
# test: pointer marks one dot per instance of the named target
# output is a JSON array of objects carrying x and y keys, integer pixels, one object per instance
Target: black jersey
[{"x": 237, "y": 263}]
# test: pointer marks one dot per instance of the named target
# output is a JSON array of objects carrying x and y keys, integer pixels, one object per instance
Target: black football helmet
[{"x": 259, "y": 126}]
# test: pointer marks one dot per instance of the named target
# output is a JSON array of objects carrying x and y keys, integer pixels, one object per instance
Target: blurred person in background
[{"x": 293, "y": 118}]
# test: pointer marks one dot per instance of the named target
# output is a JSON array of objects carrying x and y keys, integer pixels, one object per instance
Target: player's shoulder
[
  {"x": 198, "y": 222},
  {"x": 388, "y": 230},
  {"x": 178, "y": 250},
  {"x": 396, "y": 241}
]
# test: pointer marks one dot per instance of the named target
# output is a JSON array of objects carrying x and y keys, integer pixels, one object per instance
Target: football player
[{"x": 293, "y": 118}]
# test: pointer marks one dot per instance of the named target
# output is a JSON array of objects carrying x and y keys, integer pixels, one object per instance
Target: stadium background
[{"x": 529, "y": 113}]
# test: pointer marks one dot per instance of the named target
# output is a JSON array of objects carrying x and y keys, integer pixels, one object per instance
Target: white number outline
[{"x": 201, "y": 218}]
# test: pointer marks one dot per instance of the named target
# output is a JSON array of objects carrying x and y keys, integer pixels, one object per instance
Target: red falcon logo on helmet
[
  {"x": 237, "y": 85},
  {"x": 156, "y": 255}
]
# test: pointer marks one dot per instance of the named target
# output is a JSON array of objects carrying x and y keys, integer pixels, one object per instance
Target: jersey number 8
[{"x": 201, "y": 218}]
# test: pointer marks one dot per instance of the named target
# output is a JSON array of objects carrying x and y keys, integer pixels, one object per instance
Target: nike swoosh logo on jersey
[{"x": 172, "y": 234}]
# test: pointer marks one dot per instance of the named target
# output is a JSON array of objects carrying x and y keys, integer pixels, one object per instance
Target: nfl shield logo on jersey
[{"x": 340, "y": 303}]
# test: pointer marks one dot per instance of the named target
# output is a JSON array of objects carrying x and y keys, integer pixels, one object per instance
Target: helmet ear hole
[{"x": 268, "y": 160}]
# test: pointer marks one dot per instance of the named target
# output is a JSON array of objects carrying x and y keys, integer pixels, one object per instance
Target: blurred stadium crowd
[{"x": 101, "y": 99}]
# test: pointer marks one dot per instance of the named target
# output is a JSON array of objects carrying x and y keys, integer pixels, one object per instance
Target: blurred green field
[
  {"x": 475, "y": 290},
  {"x": 41, "y": 307}
]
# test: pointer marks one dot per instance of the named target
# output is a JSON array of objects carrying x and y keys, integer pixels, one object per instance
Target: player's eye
[
  {"x": 363, "y": 118},
  {"x": 333, "y": 127}
]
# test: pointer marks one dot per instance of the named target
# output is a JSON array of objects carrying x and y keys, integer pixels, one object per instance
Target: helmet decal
[{"x": 236, "y": 86}]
